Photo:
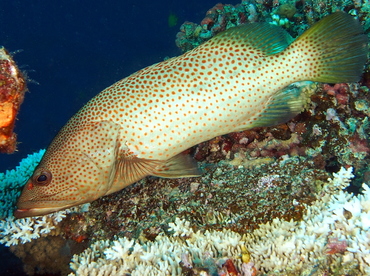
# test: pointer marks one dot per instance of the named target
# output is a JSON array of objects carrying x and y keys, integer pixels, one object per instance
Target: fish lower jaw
[{"x": 35, "y": 212}]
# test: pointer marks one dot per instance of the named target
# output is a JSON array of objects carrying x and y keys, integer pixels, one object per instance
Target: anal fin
[{"x": 180, "y": 165}]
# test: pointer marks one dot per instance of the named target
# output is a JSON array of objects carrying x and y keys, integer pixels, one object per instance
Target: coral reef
[
  {"x": 223, "y": 198},
  {"x": 164, "y": 256},
  {"x": 331, "y": 238},
  {"x": 263, "y": 205}
]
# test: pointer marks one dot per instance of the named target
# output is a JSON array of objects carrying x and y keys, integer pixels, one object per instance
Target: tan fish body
[{"x": 233, "y": 82}]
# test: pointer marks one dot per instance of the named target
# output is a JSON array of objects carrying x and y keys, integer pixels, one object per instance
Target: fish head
[{"x": 77, "y": 168}]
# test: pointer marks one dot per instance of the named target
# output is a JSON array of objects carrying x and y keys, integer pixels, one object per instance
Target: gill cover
[{"x": 79, "y": 170}]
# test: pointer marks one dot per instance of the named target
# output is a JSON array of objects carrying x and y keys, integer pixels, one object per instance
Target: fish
[
  {"x": 172, "y": 20},
  {"x": 141, "y": 125}
]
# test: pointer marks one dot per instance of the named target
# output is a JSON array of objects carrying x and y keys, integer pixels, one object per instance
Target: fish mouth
[
  {"x": 33, "y": 207},
  {"x": 37, "y": 208},
  {"x": 23, "y": 213},
  {"x": 35, "y": 212}
]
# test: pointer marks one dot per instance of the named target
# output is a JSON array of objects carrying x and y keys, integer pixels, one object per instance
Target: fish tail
[{"x": 333, "y": 50}]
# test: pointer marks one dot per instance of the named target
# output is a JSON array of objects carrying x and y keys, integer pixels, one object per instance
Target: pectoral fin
[{"x": 130, "y": 169}]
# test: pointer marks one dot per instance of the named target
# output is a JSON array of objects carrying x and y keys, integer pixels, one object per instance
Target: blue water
[{"x": 77, "y": 49}]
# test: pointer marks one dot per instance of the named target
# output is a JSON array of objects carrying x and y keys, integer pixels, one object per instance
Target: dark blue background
[{"x": 74, "y": 49}]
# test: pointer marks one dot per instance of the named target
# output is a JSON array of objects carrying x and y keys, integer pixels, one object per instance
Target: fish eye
[{"x": 43, "y": 177}]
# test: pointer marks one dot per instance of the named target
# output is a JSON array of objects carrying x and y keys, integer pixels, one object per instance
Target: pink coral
[
  {"x": 336, "y": 246},
  {"x": 358, "y": 145},
  {"x": 340, "y": 91}
]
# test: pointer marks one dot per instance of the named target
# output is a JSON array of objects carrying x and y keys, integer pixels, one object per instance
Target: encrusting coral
[
  {"x": 12, "y": 91},
  {"x": 295, "y": 16}
]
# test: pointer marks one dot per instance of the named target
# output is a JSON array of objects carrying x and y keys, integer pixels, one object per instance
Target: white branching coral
[
  {"x": 334, "y": 231},
  {"x": 14, "y": 231},
  {"x": 336, "y": 217},
  {"x": 160, "y": 257},
  {"x": 119, "y": 250},
  {"x": 180, "y": 227}
]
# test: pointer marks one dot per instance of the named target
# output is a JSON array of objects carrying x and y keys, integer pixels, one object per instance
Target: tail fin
[{"x": 338, "y": 48}]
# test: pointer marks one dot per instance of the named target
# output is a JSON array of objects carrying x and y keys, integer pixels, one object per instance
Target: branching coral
[
  {"x": 295, "y": 248},
  {"x": 164, "y": 256},
  {"x": 277, "y": 248}
]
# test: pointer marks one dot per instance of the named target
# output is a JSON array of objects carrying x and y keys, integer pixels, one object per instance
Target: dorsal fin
[{"x": 265, "y": 37}]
